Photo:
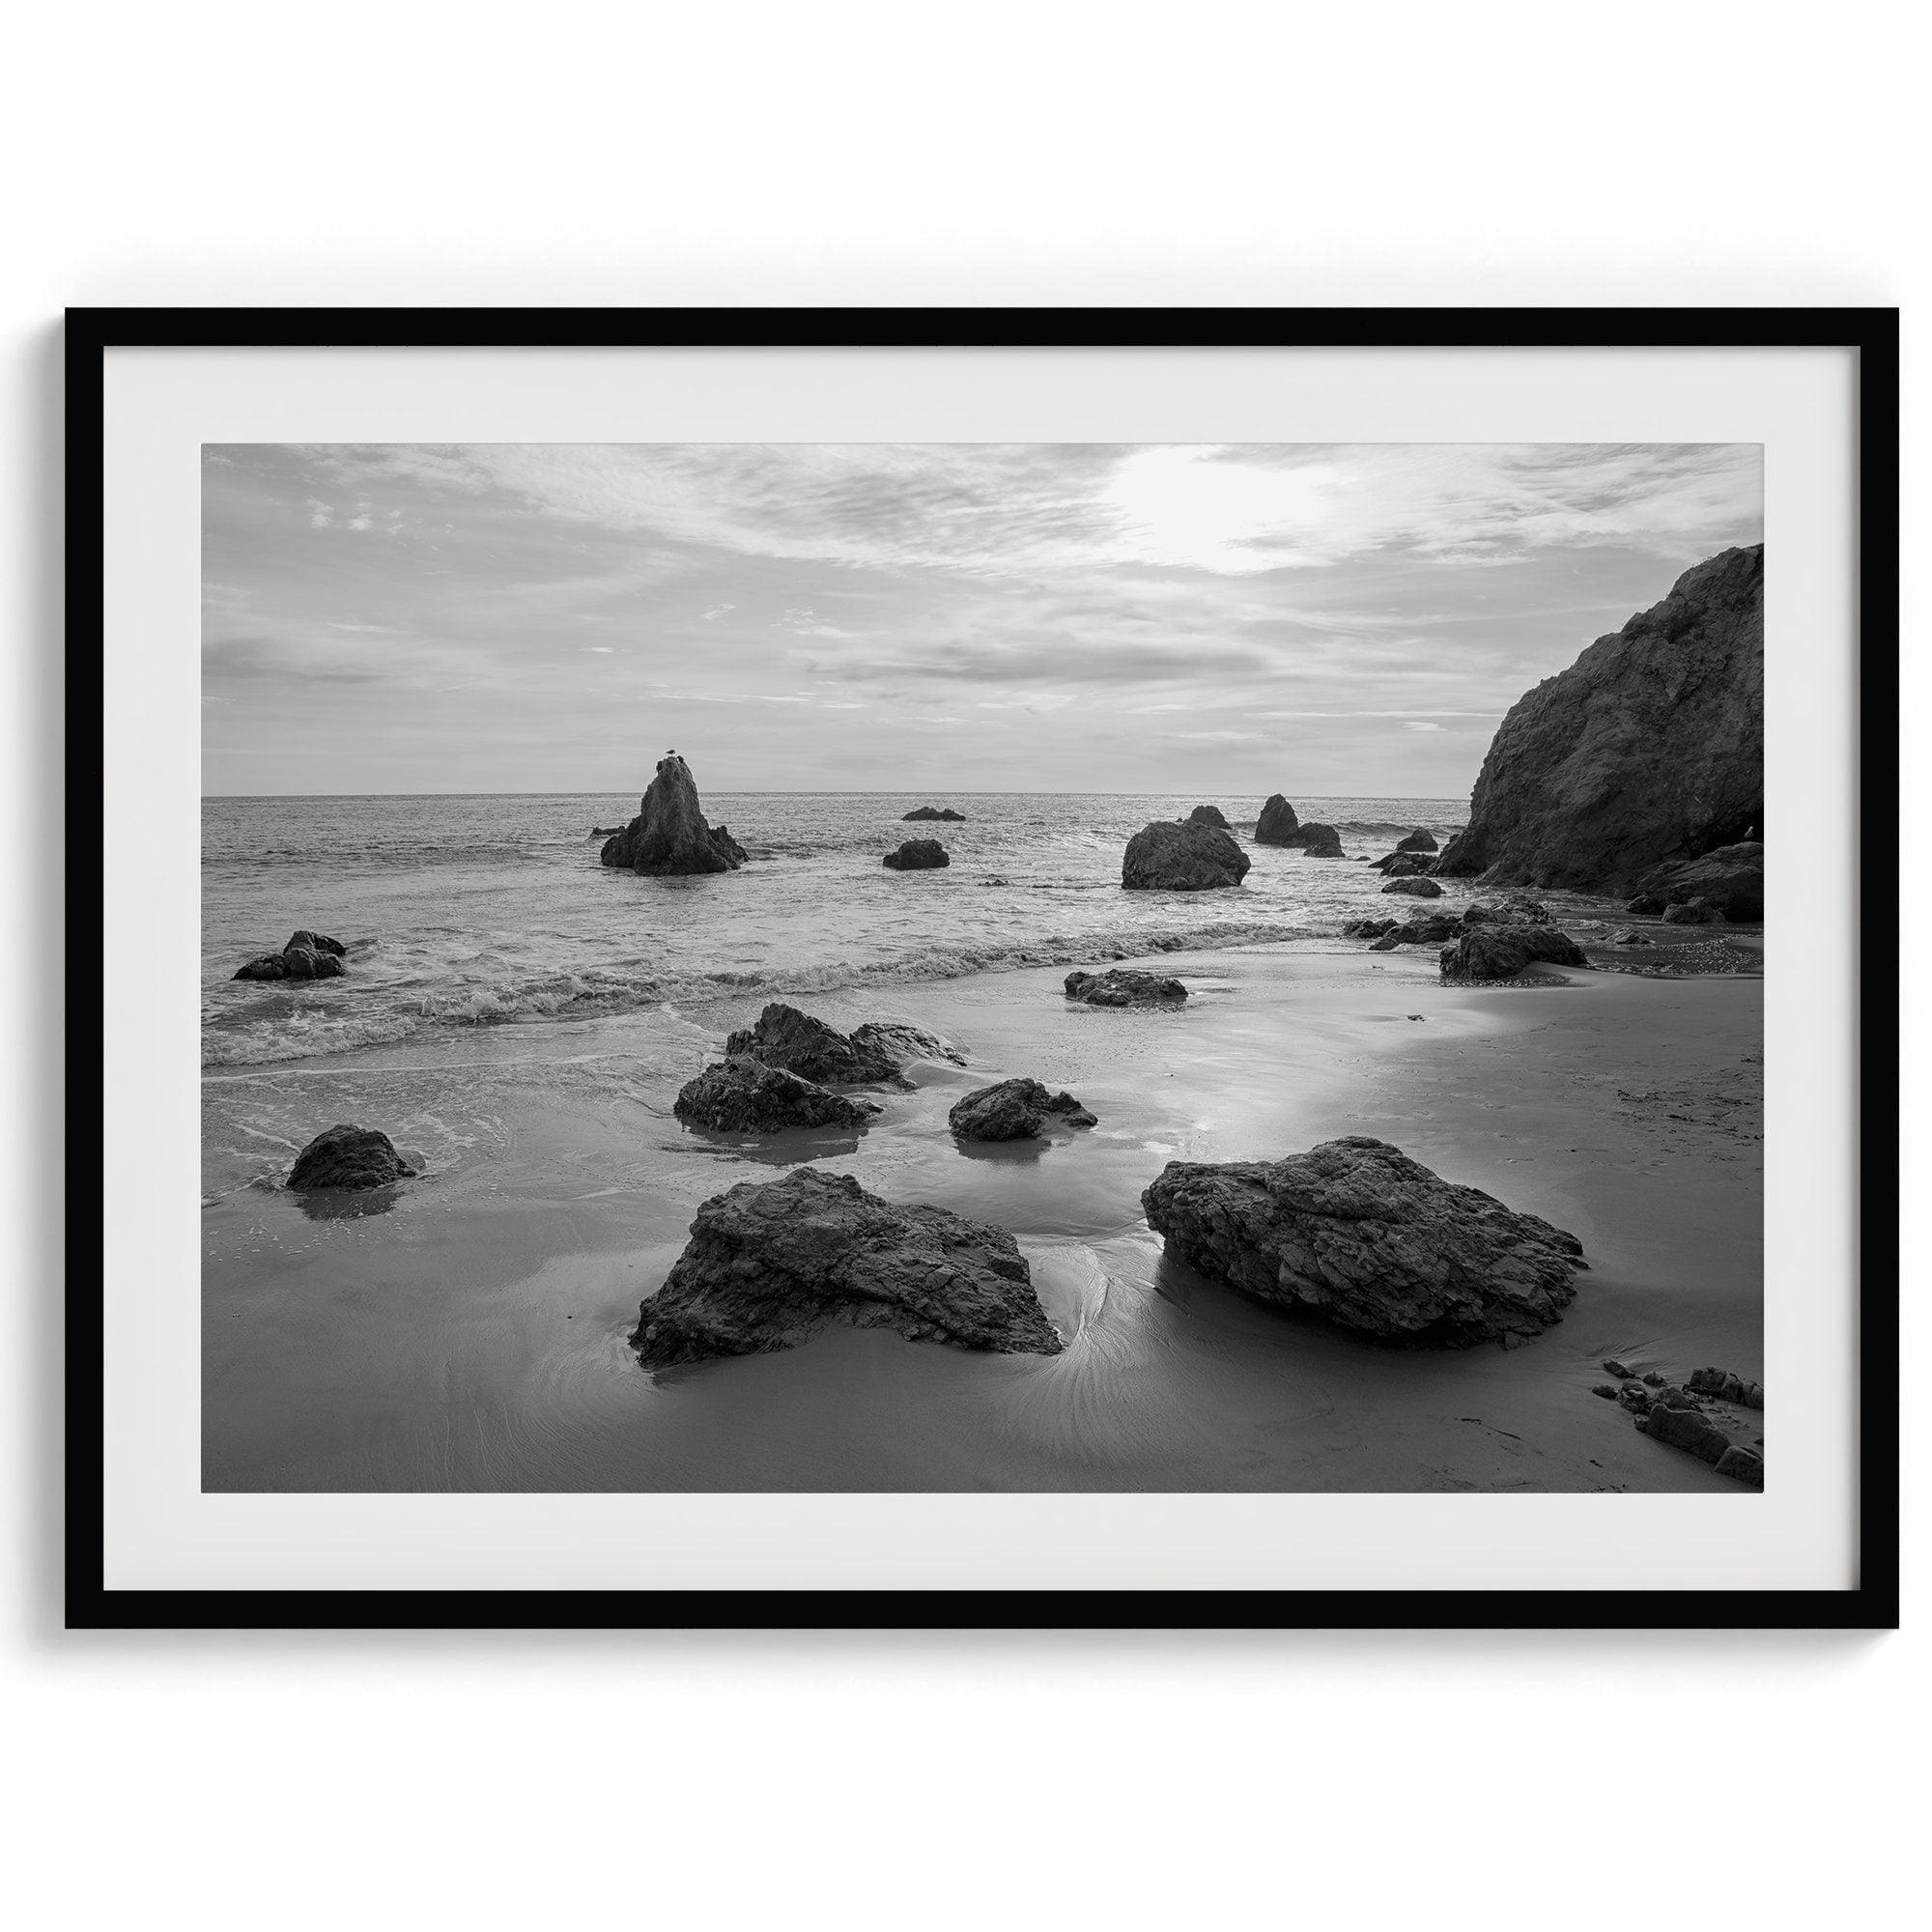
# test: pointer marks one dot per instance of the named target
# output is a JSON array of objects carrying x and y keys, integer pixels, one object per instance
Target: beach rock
[
  {"x": 771, "y": 1265},
  {"x": 1650, "y": 1380},
  {"x": 1503, "y": 952},
  {"x": 1403, "y": 865},
  {"x": 917, "y": 855},
  {"x": 1694, "y": 912},
  {"x": 1729, "y": 879},
  {"x": 1387, "y": 942},
  {"x": 1171, "y": 857},
  {"x": 669, "y": 838},
  {"x": 1646, "y": 905},
  {"x": 1514, "y": 910},
  {"x": 743, "y": 1095},
  {"x": 1648, "y": 750},
  {"x": 1209, "y": 815},
  {"x": 1368, "y": 929},
  {"x": 347, "y": 1157},
  {"x": 1015, "y": 1110},
  {"x": 1277, "y": 825},
  {"x": 1684, "y": 1429},
  {"x": 264, "y": 966},
  {"x": 604, "y": 830},
  {"x": 1741, "y": 1465},
  {"x": 932, "y": 812},
  {"x": 1629, "y": 939},
  {"x": 1418, "y": 841},
  {"x": 1727, "y": 1387},
  {"x": 303, "y": 962},
  {"x": 1608, "y": 1390},
  {"x": 1122, "y": 986},
  {"x": 1417, "y": 888},
  {"x": 801, "y": 1043},
  {"x": 1617, "y": 1369},
  {"x": 1356, "y": 1232},
  {"x": 1316, "y": 840},
  {"x": 901, "y": 1044},
  {"x": 1635, "y": 1398}
]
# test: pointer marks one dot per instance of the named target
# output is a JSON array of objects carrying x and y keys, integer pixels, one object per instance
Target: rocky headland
[{"x": 1648, "y": 751}]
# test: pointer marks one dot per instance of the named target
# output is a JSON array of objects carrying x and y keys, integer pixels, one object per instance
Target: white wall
[{"x": 204, "y": 153}]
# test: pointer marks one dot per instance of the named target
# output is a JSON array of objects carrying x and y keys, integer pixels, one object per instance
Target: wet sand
[{"x": 470, "y": 1333}]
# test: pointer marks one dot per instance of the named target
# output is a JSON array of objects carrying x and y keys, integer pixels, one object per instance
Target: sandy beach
[{"x": 473, "y": 1335}]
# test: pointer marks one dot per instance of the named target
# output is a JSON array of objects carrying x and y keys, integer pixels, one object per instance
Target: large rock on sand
[
  {"x": 1277, "y": 825},
  {"x": 803, "y": 1044},
  {"x": 1182, "y": 857},
  {"x": 770, "y": 1266},
  {"x": 1122, "y": 986},
  {"x": 1015, "y": 1110},
  {"x": 1649, "y": 749},
  {"x": 743, "y": 1095},
  {"x": 917, "y": 855},
  {"x": 347, "y": 1157},
  {"x": 669, "y": 836},
  {"x": 1504, "y": 950},
  {"x": 1356, "y": 1232},
  {"x": 1729, "y": 880}
]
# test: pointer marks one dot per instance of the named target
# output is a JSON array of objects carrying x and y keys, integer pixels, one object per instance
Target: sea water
[{"x": 467, "y": 912}]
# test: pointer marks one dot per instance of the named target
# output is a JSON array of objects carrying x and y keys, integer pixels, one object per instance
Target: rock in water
[
  {"x": 1277, "y": 825},
  {"x": 1317, "y": 840},
  {"x": 743, "y": 1095},
  {"x": 1502, "y": 951},
  {"x": 1209, "y": 815},
  {"x": 669, "y": 836},
  {"x": 1414, "y": 886},
  {"x": 1650, "y": 748},
  {"x": 901, "y": 1044},
  {"x": 308, "y": 955},
  {"x": 769, "y": 1266},
  {"x": 1418, "y": 841},
  {"x": 1121, "y": 987},
  {"x": 347, "y": 1156},
  {"x": 934, "y": 811},
  {"x": 1015, "y": 1110},
  {"x": 1729, "y": 880},
  {"x": 801, "y": 1043},
  {"x": 917, "y": 855},
  {"x": 1403, "y": 865},
  {"x": 1175, "y": 857},
  {"x": 1356, "y": 1232}
]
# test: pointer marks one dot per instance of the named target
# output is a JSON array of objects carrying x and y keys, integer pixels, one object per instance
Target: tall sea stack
[
  {"x": 1648, "y": 750},
  {"x": 669, "y": 835}
]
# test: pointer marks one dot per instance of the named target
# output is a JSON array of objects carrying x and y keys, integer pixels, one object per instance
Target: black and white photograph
[{"x": 946, "y": 967}]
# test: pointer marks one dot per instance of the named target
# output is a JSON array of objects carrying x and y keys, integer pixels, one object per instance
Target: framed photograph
[{"x": 983, "y": 968}]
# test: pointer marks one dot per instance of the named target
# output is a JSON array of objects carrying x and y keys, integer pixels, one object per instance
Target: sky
[{"x": 1320, "y": 620}]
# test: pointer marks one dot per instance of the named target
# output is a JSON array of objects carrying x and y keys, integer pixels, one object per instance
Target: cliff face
[
  {"x": 1649, "y": 749},
  {"x": 670, "y": 835}
]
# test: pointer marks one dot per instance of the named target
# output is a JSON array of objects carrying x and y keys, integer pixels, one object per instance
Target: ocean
[{"x": 467, "y": 912}]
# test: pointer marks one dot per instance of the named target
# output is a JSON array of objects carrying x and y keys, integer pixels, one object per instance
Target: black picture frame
[{"x": 1872, "y": 333}]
